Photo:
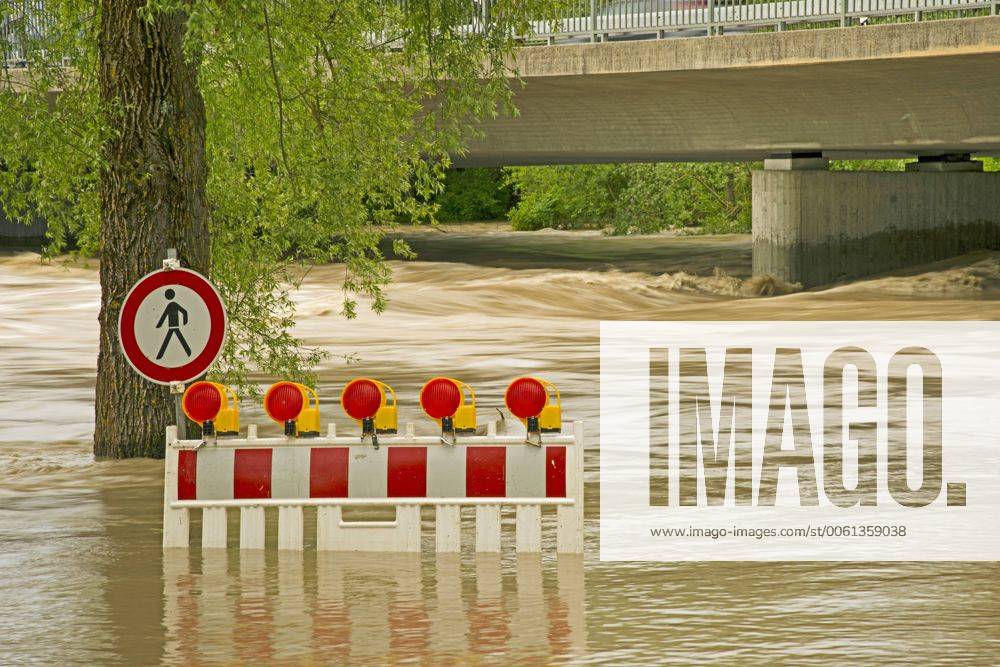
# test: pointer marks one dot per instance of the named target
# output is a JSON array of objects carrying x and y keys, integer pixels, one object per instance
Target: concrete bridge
[{"x": 793, "y": 99}]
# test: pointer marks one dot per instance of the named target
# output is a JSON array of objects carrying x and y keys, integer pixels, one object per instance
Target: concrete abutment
[{"x": 813, "y": 226}]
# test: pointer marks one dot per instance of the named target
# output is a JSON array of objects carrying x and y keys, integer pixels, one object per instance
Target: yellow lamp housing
[
  {"x": 550, "y": 421},
  {"x": 465, "y": 418},
  {"x": 307, "y": 425},
  {"x": 294, "y": 405},
  {"x": 228, "y": 421},
  {"x": 213, "y": 406},
  {"x": 365, "y": 401},
  {"x": 387, "y": 417},
  {"x": 451, "y": 403}
]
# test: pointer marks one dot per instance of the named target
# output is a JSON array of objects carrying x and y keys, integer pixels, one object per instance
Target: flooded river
[{"x": 83, "y": 578}]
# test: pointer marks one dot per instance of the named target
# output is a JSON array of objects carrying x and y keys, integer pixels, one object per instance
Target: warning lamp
[
  {"x": 213, "y": 406},
  {"x": 294, "y": 405},
  {"x": 364, "y": 400},
  {"x": 530, "y": 400},
  {"x": 443, "y": 399}
]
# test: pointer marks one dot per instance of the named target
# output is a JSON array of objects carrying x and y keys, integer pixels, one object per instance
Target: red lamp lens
[
  {"x": 440, "y": 398},
  {"x": 526, "y": 397},
  {"x": 283, "y": 402},
  {"x": 202, "y": 402},
  {"x": 362, "y": 399}
]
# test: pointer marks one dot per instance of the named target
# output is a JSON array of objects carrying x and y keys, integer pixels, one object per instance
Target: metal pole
[
  {"x": 843, "y": 14},
  {"x": 176, "y": 388},
  {"x": 593, "y": 20},
  {"x": 710, "y": 8},
  {"x": 487, "y": 15},
  {"x": 171, "y": 262}
]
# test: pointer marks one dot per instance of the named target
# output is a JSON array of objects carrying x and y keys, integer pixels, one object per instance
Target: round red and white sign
[{"x": 172, "y": 325}]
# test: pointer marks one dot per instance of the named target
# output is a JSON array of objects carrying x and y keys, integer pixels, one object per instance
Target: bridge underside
[
  {"x": 883, "y": 91},
  {"x": 930, "y": 90}
]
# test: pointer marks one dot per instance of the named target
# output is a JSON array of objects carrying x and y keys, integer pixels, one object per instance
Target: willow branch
[{"x": 277, "y": 90}]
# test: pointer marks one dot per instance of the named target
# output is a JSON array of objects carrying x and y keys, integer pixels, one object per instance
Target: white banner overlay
[{"x": 821, "y": 441}]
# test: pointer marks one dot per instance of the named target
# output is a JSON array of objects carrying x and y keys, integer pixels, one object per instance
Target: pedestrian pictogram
[
  {"x": 171, "y": 315},
  {"x": 172, "y": 325}
]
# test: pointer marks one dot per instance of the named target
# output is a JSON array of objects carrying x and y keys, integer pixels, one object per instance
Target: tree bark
[{"x": 152, "y": 198}]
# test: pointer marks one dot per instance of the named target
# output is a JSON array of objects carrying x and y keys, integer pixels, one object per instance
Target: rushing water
[{"x": 83, "y": 578}]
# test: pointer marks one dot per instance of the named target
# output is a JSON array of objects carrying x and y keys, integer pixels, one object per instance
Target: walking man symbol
[{"x": 172, "y": 315}]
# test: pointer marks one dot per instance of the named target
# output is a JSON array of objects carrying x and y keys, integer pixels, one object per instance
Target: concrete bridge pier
[{"x": 814, "y": 226}]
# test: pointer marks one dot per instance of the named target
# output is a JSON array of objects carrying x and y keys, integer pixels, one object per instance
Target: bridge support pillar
[{"x": 812, "y": 226}]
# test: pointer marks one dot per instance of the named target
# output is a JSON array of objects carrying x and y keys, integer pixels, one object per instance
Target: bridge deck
[{"x": 881, "y": 91}]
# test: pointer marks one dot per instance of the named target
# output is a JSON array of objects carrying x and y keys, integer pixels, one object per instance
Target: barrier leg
[
  {"x": 178, "y": 598},
  {"x": 569, "y": 538},
  {"x": 327, "y": 520},
  {"x": 214, "y": 637},
  {"x": 529, "y": 528},
  {"x": 213, "y": 528},
  {"x": 291, "y": 611},
  {"x": 449, "y": 622},
  {"x": 251, "y": 528},
  {"x": 528, "y": 623},
  {"x": 290, "y": 527},
  {"x": 448, "y": 528},
  {"x": 176, "y": 522},
  {"x": 489, "y": 616},
  {"x": 408, "y": 519},
  {"x": 572, "y": 596},
  {"x": 488, "y": 528}
]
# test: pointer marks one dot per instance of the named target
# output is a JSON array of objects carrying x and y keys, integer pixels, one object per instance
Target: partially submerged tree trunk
[{"x": 152, "y": 198}]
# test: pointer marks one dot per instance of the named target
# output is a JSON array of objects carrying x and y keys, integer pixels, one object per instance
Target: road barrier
[{"x": 404, "y": 471}]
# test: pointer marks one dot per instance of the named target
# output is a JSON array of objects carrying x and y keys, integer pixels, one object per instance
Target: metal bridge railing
[
  {"x": 599, "y": 20},
  {"x": 594, "y": 20},
  {"x": 20, "y": 21}
]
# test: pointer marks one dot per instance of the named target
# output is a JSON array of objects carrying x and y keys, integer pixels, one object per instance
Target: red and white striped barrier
[{"x": 405, "y": 471}]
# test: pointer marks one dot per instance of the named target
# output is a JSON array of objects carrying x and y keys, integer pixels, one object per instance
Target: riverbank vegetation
[
  {"x": 618, "y": 198},
  {"x": 633, "y": 198},
  {"x": 621, "y": 199}
]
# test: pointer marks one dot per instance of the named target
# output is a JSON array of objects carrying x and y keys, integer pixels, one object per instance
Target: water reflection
[{"x": 371, "y": 608}]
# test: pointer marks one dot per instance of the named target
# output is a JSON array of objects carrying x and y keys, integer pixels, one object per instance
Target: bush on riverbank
[
  {"x": 473, "y": 194},
  {"x": 565, "y": 196},
  {"x": 633, "y": 198}
]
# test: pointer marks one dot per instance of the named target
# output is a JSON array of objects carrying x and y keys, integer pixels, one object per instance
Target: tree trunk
[{"x": 152, "y": 198}]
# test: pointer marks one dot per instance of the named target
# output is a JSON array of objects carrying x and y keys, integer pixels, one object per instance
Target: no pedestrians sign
[{"x": 172, "y": 325}]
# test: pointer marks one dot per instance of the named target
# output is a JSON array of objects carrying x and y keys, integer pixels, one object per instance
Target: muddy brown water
[{"x": 83, "y": 578}]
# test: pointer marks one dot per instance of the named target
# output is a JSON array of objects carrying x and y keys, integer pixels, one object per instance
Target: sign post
[
  {"x": 171, "y": 327},
  {"x": 177, "y": 390}
]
